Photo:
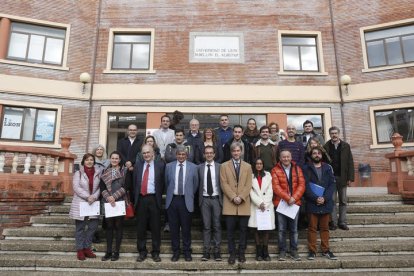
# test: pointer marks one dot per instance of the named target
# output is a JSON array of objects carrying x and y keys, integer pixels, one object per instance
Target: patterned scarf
[{"x": 111, "y": 174}]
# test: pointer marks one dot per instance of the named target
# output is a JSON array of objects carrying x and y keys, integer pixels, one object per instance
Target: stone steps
[
  {"x": 398, "y": 263},
  {"x": 353, "y": 219},
  {"x": 380, "y": 242},
  {"x": 341, "y": 248},
  {"x": 58, "y": 233}
]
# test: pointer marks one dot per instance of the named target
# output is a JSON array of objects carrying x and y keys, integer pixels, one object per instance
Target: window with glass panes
[
  {"x": 300, "y": 53},
  {"x": 36, "y": 44},
  {"x": 28, "y": 124},
  {"x": 390, "y": 46},
  {"x": 131, "y": 51}
]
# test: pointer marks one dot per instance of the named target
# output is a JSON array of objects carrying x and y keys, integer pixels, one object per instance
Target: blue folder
[{"x": 317, "y": 189}]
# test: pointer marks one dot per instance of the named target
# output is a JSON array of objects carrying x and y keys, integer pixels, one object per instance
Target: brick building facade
[{"x": 260, "y": 83}]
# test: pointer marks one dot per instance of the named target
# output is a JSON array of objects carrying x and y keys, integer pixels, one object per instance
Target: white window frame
[
  {"x": 55, "y": 143},
  {"x": 26, "y": 20},
  {"x": 319, "y": 49},
  {"x": 115, "y": 31},
  {"x": 372, "y": 110},
  {"x": 388, "y": 25}
]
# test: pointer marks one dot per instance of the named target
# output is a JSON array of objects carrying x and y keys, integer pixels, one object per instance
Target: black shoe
[
  {"x": 328, "y": 254},
  {"x": 232, "y": 259},
  {"x": 265, "y": 255},
  {"x": 242, "y": 258},
  {"x": 311, "y": 256},
  {"x": 107, "y": 256},
  {"x": 141, "y": 257},
  {"x": 206, "y": 256},
  {"x": 332, "y": 226},
  {"x": 115, "y": 256},
  {"x": 217, "y": 257},
  {"x": 187, "y": 257},
  {"x": 156, "y": 257},
  {"x": 175, "y": 257},
  {"x": 343, "y": 227}
]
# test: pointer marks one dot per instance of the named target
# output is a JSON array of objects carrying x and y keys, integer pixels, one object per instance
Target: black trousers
[
  {"x": 231, "y": 223},
  {"x": 148, "y": 215}
]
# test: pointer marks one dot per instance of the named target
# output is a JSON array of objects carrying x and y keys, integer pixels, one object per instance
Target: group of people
[{"x": 230, "y": 174}]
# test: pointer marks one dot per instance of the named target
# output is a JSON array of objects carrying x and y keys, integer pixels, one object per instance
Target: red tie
[{"x": 144, "y": 184}]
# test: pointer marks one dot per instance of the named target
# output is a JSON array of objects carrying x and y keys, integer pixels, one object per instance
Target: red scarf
[
  {"x": 259, "y": 180},
  {"x": 90, "y": 173}
]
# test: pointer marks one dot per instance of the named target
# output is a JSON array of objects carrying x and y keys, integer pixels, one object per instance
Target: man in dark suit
[
  {"x": 148, "y": 185},
  {"x": 211, "y": 202},
  {"x": 129, "y": 147},
  {"x": 181, "y": 180}
]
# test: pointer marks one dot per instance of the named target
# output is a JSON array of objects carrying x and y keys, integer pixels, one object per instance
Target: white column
[
  {"x": 47, "y": 165},
  {"x": 15, "y": 162},
  {"x": 38, "y": 162},
  {"x": 2, "y": 162},
  {"x": 56, "y": 166},
  {"x": 27, "y": 162}
]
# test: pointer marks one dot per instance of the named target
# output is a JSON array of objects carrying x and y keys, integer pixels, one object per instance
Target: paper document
[
  {"x": 263, "y": 220},
  {"x": 86, "y": 210},
  {"x": 287, "y": 210},
  {"x": 118, "y": 210}
]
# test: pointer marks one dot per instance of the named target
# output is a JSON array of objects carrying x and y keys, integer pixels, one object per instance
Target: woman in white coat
[
  {"x": 85, "y": 189},
  {"x": 261, "y": 197}
]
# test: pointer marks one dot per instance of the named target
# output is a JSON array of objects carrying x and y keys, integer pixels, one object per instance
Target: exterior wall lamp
[
  {"x": 84, "y": 78},
  {"x": 346, "y": 80}
]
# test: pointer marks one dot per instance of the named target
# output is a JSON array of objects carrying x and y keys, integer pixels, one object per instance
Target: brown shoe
[
  {"x": 89, "y": 253},
  {"x": 81, "y": 255}
]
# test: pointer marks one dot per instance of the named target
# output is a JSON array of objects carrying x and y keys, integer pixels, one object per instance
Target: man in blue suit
[
  {"x": 181, "y": 180},
  {"x": 148, "y": 186}
]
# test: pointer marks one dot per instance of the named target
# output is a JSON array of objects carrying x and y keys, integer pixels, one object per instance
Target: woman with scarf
[
  {"x": 112, "y": 190},
  {"x": 85, "y": 189},
  {"x": 100, "y": 156},
  {"x": 261, "y": 197}
]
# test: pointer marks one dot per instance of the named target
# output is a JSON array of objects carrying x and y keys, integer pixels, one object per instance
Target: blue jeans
[{"x": 286, "y": 223}]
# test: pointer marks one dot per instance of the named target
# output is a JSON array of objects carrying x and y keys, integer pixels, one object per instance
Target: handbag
[{"x": 129, "y": 208}]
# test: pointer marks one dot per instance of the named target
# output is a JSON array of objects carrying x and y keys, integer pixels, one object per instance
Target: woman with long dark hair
[
  {"x": 209, "y": 139},
  {"x": 85, "y": 189},
  {"x": 251, "y": 133},
  {"x": 261, "y": 197},
  {"x": 113, "y": 189}
]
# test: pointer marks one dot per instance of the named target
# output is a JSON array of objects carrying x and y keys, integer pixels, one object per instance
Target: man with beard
[{"x": 320, "y": 184}]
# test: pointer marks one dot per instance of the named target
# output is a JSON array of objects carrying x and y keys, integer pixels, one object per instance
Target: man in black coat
[
  {"x": 246, "y": 154},
  {"x": 129, "y": 147},
  {"x": 148, "y": 186}
]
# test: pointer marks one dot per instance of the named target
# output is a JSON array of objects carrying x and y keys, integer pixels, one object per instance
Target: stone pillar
[{"x": 4, "y": 36}]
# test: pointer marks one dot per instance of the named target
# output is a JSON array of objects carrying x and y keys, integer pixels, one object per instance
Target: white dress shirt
[
  {"x": 213, "y": 179},
  {"x": 177, "y": 171}
]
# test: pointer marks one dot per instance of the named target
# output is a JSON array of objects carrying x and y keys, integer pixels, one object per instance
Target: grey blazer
[
  {"x": 190, "y": 184},
  {"x": 201, "y": 170}
]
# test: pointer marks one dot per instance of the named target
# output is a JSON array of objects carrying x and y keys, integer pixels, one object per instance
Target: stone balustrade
[
  {"x": 40, "y": 169},
  {"x": 401, "y": 179}
]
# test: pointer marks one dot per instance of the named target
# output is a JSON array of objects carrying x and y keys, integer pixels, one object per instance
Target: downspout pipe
[
  {"x": 338, "y": 73},
  {"x": 95, "y": 52}
]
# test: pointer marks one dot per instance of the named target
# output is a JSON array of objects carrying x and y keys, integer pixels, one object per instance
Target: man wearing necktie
[
  {"x": 211, "y": 203},
  {"x": 148, "y": 186},
  {"x": 236, "y": 183},
  {"x": 181, "y": 179}
]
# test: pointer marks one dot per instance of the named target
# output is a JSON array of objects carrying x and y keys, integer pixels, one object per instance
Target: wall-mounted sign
[
  {"x": 12, "y": 126},
  {"x": 207, "y": 47}
]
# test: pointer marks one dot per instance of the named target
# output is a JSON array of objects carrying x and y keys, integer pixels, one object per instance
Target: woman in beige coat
[
  {"x": 261, "y": 199},
  {"x": 85, "y": 189}
]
